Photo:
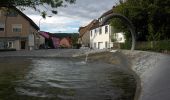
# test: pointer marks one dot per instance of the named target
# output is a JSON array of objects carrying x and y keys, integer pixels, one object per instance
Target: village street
[{"x": 43, "y": 53}]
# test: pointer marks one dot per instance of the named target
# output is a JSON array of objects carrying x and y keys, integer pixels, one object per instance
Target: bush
[{"x": 158, "y": 46}]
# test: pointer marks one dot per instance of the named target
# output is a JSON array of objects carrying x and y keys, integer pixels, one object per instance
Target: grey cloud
[
  {"x": 90, "y": 9},
  {"x": 82, "y": 10}
]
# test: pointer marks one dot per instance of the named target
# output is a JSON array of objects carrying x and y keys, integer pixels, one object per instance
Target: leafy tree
[
  {"x": 151, "y": 18},
  {"x": 74, "y": 38},
  {"x": 48, "y": 5}
]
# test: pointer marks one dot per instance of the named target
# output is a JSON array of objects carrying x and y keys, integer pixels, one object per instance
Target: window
[
  {"x": 106, "y": 29},
  {"x": 95, "y": 30},
  {"x": 10, "y": 44},
  {"x": 91, "y": 33},
  {"x": 12, "y": 13},
  {"x": 16, "y": 28},
  {"x": 120, "y": 39},
  {"x": 2, "y": 27},
  {"x": 106, "y": 44},
  {"x": 100, "y": 19},
  {"x": 1, "y": 44},
  {"x": 94, "y": 45},
  {"x": 100, "y": 30}
]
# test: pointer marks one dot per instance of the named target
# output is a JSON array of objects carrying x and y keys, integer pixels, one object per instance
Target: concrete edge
[{"x": 142, "y": 62}]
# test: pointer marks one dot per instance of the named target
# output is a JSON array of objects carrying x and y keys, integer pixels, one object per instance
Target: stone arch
[{"x": 126, "y": 21}]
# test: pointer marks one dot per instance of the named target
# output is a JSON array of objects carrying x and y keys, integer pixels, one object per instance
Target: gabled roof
[
  {"x": 95, "y": 25},
  {"x": 107, "y": 13},
  {"x": 83, "y": 30},
  {"x": 23, "y": 15},
  {"x": 26, "y": 17}
]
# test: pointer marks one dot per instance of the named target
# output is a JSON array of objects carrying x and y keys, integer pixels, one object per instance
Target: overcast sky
[{"x": 70, "y": 18}]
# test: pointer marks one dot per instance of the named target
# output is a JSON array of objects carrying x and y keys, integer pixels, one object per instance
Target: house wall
[
  {"x": 14, "y": 20},
  {"x": 86, "y": 39},
  {"x": 17, "y": 37},
  {"x": 65, "y": 43},
  {"x": 17, "y": 44},
  {"x": 120, "y": 37},
  {"x": 41, "y": 40},
  {"x": 103, "y": 40},
  {"x": 100, "y": 41}
]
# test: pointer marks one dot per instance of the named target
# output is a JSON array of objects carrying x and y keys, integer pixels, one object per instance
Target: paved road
[
  {"x": 43, "y": 53},
  {"x": 49, "y": 53}
]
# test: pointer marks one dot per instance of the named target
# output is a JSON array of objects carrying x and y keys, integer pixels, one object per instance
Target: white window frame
[
  {"x": 12, "y": 44},
  {"x": 95, "y": 45},
  {"x": 106, "y": 28},
  {"x": 95, "y": 30},
  {"x": 16, "y": 26}
]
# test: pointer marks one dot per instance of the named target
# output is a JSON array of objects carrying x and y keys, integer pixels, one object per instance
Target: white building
[{"x": 101, "y": 37}]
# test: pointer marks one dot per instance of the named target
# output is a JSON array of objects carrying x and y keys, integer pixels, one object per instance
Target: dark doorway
[{"x": 23, "y": 44}]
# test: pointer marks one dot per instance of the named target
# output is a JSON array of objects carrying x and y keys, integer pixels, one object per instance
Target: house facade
[
  {"x": 101, "y": 37},
  {"x": 84, "y": 34},
  {"x": 17, "y": 31}
]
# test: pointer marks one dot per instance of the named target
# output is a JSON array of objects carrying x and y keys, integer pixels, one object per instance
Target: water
[{"x": 63, "y": 79}]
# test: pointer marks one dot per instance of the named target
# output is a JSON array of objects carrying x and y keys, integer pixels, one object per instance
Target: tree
[
  {"x": 48, "y": 5},
  {"x": 74, "y": 38},
  {"x": 151, "y": 18}
]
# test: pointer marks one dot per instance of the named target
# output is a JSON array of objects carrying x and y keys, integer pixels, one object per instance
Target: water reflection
[{"x": 63, "y": 79}]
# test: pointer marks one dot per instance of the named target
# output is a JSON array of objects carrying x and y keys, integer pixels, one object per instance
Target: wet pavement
[
  {"x": 46, "y": 53},
  {"x": 63, "y": 79}
]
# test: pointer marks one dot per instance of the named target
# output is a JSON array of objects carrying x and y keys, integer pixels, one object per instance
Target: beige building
[
  {"x": 84, "y": 34},
  {"x": 17, "y": 31}
]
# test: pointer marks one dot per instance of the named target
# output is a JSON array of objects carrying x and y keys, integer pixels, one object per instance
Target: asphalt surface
[
  {"x": 43, "y": 53},
  {"x": 49, "y": 53}
]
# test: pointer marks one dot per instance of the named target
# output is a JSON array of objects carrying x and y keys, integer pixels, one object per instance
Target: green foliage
[
  {"x": 126, "y": 45},
  {"x": 37, "y": 5},
  {"x": 158, "y": 46},
  {"x": 151, "y": 18},
  {"x": 74, "y": 38}
]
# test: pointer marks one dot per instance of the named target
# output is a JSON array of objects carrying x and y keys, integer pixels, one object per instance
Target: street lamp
[{"x": 41, "y": 19}]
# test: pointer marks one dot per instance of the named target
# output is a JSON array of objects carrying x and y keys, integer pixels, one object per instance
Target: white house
[{"x": 101, "y": 36}]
